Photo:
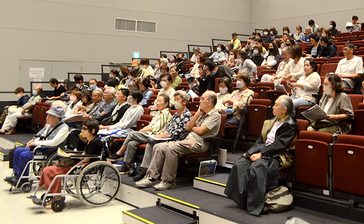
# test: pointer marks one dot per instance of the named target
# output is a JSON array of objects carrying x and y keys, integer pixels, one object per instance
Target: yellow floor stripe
[
  {"x": 210, "y": 181},
  {"x": 138, "y": 217},
  {"x": 18, "y": 144},
  {"x": 179, "y": 201}
]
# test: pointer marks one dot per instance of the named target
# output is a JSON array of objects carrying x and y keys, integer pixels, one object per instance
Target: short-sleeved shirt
[
  {"x": 210, "y": 120},
  {"x": 94, "y": 147},
  {"x": 352, "y": 66}
]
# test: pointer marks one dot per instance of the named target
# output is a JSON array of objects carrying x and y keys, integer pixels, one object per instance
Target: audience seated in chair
[
  {"x": 307, "y": 86},
  {"x": 131, "y": 116},
  {"x": 204, "y": 124},
  {"x": 157, "y": 126},
  {"x": 349, "y": 67},
  {"x": 93, "y": 147},
  {"x": 22, "y": 109},
  {"x": 53, "y": 134},
  {"x": 119, "y": 110},
  {"x": 238, "y": 99},
  {"x": 337, "y": 105},
  {"x": 256, "y": 172}
]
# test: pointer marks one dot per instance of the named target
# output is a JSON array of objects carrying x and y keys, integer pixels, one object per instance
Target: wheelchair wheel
[
  {"x": 26, "y": 187},
  {"x": 98, "y": 183},
  {"x": 52, "y": 159},
  {"x": 58, "y": 205},
  {"x": 37, "y": 167}
]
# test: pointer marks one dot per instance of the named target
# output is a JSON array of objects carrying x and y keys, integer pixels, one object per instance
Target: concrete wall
[
  {"x": 79, "y": 35},
  {"x": 279, "y": 13}
]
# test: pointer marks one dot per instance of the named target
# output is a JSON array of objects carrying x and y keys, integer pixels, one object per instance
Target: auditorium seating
[
  {"x": 358, "y": 124},
  {"x": 348, "y": 165},
  {"x": 355, "y": 100},
  {"x": 327, "y": 67},
  {"x": 312, "y": 158}
]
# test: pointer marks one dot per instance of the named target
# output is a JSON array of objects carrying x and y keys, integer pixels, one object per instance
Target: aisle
[{"x": 16, "y": 208}]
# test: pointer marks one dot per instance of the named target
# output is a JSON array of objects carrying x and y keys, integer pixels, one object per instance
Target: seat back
[
  {"x": 328, "y": 67},
  {"x": 361, "y": 106},
  {"x": 143, "y": 121},
  {"x": 274, "y": 94},
  {"x": 358, "y": 125},
  {"x": 348, "y": 157},
  {"x": 355, "y": 100},
  {"x": 302, "y": 124},
  {"x": 193, "y": 106},
  {"x": 261, "y": 90},
  {"x": 256, "y": 116},
  {"x": 312, "y": 158},
  {"x": 266, "y": 102}
]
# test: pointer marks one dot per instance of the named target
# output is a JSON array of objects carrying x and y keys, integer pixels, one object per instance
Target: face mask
[
  {"x": 178, "y": 105},
  {"x": 327, "y": 90},
  {"x": 271, "y": 33},
  {"x": 92, "y": 87},
  {"x": 265, "y": 33},
  {"x": 240, "y": 84},
  {"x": 78, "y": 85},
  {"x": 255, "y": 52},
  {"x": 286, "y": 32},
  {"x": 34, "y": 92},
  {"x": 73, "y": 98},
  {"x": 218, "y": 49},
  {"x": 111, "y": 75},
  {"x": 163, "y": 84},
  {"x": 223, "y": 90},
  {"x": 130, "y": 99},
  {"x": 330, "y": 27}
]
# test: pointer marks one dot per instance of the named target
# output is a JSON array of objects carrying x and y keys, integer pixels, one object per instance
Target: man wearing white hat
[{"x": 53, "y": 134}]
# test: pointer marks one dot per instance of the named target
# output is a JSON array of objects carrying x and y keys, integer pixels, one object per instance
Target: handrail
[
  {"x": 113, "y": 65},
  {"x": 257, "y": 29},
  {"x": 150, "y": 59},
  {"x": 175, "y": 52},
  {"x": 196, "y": 45},
  {"x": 82, "y": 73}
]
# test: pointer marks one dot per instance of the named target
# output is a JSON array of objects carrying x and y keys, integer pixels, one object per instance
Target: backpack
[{"x": 279, "y": 199}]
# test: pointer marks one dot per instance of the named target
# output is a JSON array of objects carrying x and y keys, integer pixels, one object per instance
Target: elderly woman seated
[
  {"x": 337, "y": 106},
  {"x": 93, "y": 147},
  {"x": 256, "y": 172}
]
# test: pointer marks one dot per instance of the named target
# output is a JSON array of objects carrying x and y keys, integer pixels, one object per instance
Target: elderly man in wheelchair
[
  {"x": 52, "y": 135},
  {"x": 78, "y": 174}
]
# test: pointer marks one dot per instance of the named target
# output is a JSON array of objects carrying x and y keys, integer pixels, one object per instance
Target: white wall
[
  {"x": 279, "y": 13},
  {"x": 79, "y": 35}
]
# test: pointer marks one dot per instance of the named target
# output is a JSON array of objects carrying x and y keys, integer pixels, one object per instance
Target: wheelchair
[
  {"x": 43, "y": 156},
  {"x": 96, "y": 184}
]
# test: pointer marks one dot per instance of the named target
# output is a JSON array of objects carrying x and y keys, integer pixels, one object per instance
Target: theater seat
[
  {"x": 355, "y": 100},
  {"x": 358, "y": 124},
  {"x": 348, "y": 165},
  {"x": 361, "y": 106},
  {"x": 256, "y": 116},
  {"x": 312, "y": 158},
  {"x": 327, "y": 67},
  {"x": 188, "y": 164}
]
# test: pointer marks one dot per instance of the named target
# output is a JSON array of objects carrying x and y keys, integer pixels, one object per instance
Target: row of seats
[{"x": 330, "y": 164}]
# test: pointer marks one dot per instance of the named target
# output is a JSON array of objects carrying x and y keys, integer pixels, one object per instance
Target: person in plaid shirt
[{"x": 174, "y": 130}]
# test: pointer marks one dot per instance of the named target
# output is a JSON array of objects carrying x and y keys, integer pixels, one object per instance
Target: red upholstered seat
[
  {"x": 348, "y": 165},
  {"x": 312, "y": 158}
]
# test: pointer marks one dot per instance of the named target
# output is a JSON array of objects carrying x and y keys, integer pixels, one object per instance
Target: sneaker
[
  {"x": 123, "y": 169},
  {"x": 140, "y": 174},
  {"x": 115, "y": 156},
  {"x": 145, "y": 182},
  {"x": 163, "y": 185}
]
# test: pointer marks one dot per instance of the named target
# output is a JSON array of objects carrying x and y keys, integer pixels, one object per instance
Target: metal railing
[
  {"x": 169, "y": 53},
  {"x": 191, "y": 46}
]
